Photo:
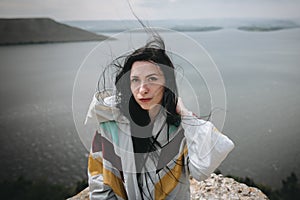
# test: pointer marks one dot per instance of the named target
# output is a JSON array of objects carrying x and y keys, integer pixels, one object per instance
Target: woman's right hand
[{"x": 181, "y": 109}]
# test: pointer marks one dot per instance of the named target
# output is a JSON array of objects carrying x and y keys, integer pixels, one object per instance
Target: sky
[{"x": 149, "y": 9}]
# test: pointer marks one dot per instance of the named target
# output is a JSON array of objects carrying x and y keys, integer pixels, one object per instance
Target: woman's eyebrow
[{"x": 153, "y": 74}]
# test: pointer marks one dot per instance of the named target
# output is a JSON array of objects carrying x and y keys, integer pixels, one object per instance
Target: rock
[
  {"x": 220, "y": 187},
  {"x": 215, "y": 187},
  {"x": 83, "y": 195}
]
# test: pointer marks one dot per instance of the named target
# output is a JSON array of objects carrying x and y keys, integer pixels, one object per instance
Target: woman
[{"x": 147, "y": 143}]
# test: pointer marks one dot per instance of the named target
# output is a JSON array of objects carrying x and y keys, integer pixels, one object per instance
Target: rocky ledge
[
  {"x": 220, "y": 187},
  {"x": 215, "y": 187}
]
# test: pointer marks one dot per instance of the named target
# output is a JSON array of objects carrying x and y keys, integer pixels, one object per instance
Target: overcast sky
[{"x": 149, "y": 9}]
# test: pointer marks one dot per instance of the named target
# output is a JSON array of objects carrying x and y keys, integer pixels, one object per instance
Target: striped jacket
[{"x": 194, "y": 148}]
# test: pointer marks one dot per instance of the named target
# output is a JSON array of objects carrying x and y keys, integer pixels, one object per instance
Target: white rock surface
[{"x": 220, "y": 187}]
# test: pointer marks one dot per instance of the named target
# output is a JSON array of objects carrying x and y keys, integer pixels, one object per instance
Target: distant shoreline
[
  {"x": 193, "y": 25},
  {"x": 42, "y": 30}
]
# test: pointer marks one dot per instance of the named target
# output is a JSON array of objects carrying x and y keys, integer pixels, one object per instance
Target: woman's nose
[{"x": 144, "y": 89}]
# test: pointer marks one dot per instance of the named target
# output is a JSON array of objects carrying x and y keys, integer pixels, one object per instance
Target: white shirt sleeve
[{"x": 207, "y": 147}]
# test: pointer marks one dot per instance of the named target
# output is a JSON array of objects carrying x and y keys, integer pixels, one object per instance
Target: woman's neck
[{"x": 153, "y": 112}]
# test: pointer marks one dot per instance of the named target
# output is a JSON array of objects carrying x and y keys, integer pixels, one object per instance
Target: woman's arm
[{"x": 207, "y": 147}]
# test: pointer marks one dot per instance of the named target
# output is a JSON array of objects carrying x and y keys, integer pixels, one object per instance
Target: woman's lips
[{"x": 145, "y": 100}]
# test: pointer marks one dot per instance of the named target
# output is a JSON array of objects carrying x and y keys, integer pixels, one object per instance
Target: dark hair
[{"x": 154, "y": 52}]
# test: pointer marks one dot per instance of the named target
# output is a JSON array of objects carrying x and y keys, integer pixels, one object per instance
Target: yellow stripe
[
  {"x": 115, "y": 183},
  {"x": 169, "y": 181},
  {"x": 95, "y": 167}
]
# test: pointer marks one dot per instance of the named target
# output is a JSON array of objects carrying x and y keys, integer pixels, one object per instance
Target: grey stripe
[{"x": 170, "y": 150}]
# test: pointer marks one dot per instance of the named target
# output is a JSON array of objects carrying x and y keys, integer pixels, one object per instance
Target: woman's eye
[
  {"x": 152, "y": 79},
  {"x": 135, "y": 80}
]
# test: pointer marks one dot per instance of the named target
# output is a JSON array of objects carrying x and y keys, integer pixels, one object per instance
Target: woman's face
[{"x": 147, "y": 84}]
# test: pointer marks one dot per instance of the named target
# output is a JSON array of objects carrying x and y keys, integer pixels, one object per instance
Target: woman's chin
[
  {"x": 150, "y": 108},
  {"x": 145, "y": 108}
]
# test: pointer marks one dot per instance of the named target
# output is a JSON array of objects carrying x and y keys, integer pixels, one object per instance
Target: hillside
[{"x": 41, "y": 30}]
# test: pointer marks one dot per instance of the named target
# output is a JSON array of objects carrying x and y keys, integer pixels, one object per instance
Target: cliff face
[
  {"x": 41, "y": 30},
  {"x": 215, "y": 187}
]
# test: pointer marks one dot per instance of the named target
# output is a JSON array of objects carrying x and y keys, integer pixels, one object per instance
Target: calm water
[{"x": 261, "y": 74}]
